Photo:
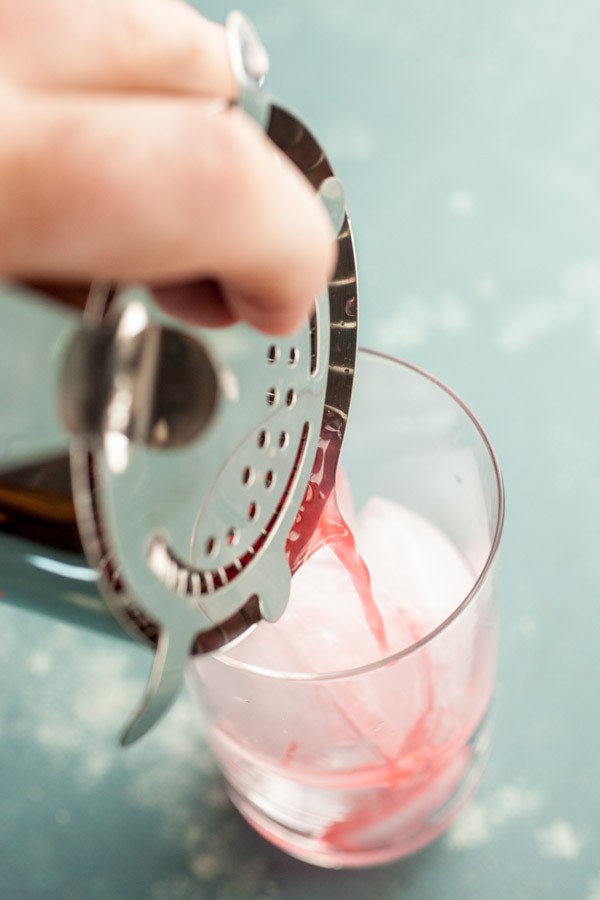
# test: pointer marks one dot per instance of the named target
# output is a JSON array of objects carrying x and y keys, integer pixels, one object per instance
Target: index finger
[
  {"x": 160, "y": 190},
  {"x": 114, "y": 45}
]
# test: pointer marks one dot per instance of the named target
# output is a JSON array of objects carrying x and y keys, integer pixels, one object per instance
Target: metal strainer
[{"x": 202, "y": 459}]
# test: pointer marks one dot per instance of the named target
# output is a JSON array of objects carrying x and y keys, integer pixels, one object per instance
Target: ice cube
[
  {"x": 323, "y": 628},
  {"x": 392, "y": 715},
  {"x": 418, "y": 578},
  {"x": 413, "y": 566}
]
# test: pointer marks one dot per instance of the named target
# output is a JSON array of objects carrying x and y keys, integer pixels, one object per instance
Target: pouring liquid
[
  {"x": 320, "y": 523},
  {"x": 365, "y": 755}
]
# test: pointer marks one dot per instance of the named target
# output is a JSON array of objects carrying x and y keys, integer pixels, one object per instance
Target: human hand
[{"x": 119, "y": 162}]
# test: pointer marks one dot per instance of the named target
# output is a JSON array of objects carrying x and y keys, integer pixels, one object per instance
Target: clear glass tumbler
[{"x": 349, "y": 734}]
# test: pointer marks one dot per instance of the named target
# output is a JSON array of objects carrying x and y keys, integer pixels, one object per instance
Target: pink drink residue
[
  {"x": 424, "y": 768},
  {"x": 368, "y": 758}
]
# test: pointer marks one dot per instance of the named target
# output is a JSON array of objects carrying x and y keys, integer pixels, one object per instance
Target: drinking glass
[{"x": 354, "y": 730}]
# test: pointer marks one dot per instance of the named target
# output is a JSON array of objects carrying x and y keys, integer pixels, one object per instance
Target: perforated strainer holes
[
  {"x": 272, "y": 396},
  {"x": 205, "y": 582},
  {"x": 264, "y": 439},
  {"x": 314, "y": 345},
  {"x": 233, "y": 536},
  {"x": 273, "y": 353},
  {"x": 248, "y": 475},
  {"x": 290, "y": 398},
  {"x": 211, "y": 547},
  {"x": 283, "y": 440},
  {"x": 269, "y": 479}
]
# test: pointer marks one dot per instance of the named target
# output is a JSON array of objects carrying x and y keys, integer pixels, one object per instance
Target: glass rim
[{"x": 405, "y": 652}]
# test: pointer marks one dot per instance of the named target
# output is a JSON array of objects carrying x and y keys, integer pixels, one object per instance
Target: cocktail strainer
[{"x": 201, "y": 459}]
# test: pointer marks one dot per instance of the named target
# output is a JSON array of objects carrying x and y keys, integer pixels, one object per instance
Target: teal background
[{"x": 467, "y": 136}]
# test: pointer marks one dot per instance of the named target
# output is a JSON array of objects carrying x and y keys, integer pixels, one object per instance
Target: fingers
[
  {"x": 198, "y": 303},
  {"x": 135, "y": 45},
  {"x": 160, "y": 191},
  {"x": 190, "y": 196}
]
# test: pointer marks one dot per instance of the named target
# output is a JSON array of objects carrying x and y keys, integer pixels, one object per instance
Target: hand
[{"x": 119, "y": 161}]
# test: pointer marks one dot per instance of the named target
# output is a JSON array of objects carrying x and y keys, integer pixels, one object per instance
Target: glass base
[{"x": 382, "y": 825}]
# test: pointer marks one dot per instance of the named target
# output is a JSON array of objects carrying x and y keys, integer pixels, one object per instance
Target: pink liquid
[
  {"x": 320, "y": 523},
  {"x": 361, "y": 816},
  {"x": 333, "y": 531},
  {"x": 433, "y": 767},
  {"x": 353, "y": 771}
]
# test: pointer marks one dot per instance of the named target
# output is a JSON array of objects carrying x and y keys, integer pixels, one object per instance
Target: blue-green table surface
[{"x": 467, "y": 136}]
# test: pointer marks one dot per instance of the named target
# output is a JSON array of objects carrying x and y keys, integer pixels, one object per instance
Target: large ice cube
[
  {"x": 396, "y": 714},
  {"x": 413, "y": 566}
]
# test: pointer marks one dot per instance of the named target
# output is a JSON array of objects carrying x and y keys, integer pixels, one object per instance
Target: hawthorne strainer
[{"x": 202, "y": 459}]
